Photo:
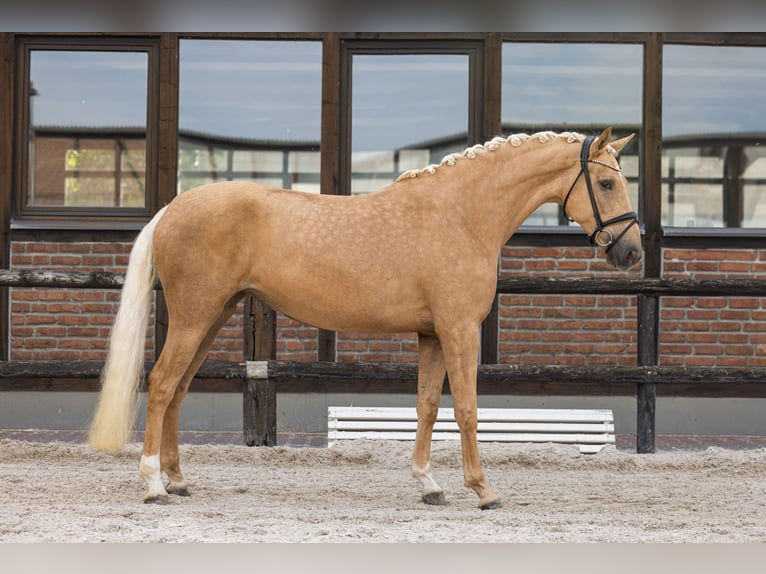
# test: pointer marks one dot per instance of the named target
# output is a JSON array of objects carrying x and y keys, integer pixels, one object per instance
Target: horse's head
[{"x": 598, "y": 200}]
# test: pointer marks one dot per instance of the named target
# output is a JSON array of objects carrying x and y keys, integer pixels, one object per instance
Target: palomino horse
[{"x": 418, "y": 256}]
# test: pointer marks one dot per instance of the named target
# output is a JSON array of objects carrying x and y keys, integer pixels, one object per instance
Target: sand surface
[{"x": 362, "y": 491}]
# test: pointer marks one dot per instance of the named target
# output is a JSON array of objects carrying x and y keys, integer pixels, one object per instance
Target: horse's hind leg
[
  {"x": 173, "y": 370},
  {"x": 431, "y": 371},
  {"x": 169, "y": 457}
]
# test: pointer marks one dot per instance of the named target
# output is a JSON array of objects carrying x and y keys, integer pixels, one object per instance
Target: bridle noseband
[{"x": 601, "y": 236}]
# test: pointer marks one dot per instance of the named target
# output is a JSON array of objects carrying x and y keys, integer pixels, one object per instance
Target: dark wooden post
[
  {"x": 259, "y": 406},
  {"x": 489, "y": 335},
  {"x": 6, "y": 172},
  {"x": 330, "y": 148},
  {"x": 489, "y": 110},
  {"x": 167, "y": 156},
  {"x": 650, "y": 204},
  {"x": 259, "y": 401},
  {"x": 646, "y": 393}
]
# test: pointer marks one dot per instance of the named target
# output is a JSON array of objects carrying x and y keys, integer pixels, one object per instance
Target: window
[
  {"x": 407, "y": 111},
  {"x": 574, "y": 87},
  {"x": 86, "y": 118},
  {"x": 714, "y": 162},
  {"x": 250, "y": 110}
]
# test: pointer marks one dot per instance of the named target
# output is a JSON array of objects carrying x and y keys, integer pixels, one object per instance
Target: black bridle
[{"x": 601, "y": 236}]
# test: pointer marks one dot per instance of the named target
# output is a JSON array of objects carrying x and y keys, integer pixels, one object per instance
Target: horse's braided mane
[{"x": 495, "y": 143}]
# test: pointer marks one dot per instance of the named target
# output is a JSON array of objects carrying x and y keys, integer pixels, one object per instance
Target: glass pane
[
  {"x": 250, "y": 110},
  {"x": 408, "y": 111},
  {"x": 712, "y": 125},
  {"x": 87, "y": 128},
  {"x": 574, "y": 87},
  {"x": 754, "y": 188}
]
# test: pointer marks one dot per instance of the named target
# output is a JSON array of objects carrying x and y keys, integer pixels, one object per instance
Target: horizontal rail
[
  {"x": 92, "y": 369},
  {"x": 285, "y": 371},
  {"x": 387, "y": 378},
  {"x": 653, "y": 287},
  {"x": 505, "y": 285},
  {"x": 509, "y": 379},
  {"x": 61, "y": 279},
  {"x": 213, "y": 376}
]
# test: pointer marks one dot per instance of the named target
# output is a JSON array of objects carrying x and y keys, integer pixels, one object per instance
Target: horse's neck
[{"x": 499, "y": 190}]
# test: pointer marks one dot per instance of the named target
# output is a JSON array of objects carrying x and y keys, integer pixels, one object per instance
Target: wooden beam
[
  {"x": 650, "y": 210},
  {"x": 649, "y": 286},
  {"x": 259, "y": 397},
  {"x": 549, "y": 285},
  {"x": 319, "y": 377},
  {"x": 491, "y": 115},
  {"x": 167, "y": 133},
  {"x": 261, "y": 412},
  {"x": 330, "y": 153},
  {"x": 6, "y": 175},
  {"x": 648, "y": 355},
  {"x": 63, "y": 279},
  {"x": 166, "y": 144},
  {"x": 650, "y": 154},
  {"x": 316, "y": 372}
]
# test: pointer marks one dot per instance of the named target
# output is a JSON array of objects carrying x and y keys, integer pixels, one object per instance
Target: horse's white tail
[{"x": 124, "y": 368}]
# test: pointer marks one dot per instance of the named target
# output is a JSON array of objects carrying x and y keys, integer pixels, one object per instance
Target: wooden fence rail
[
  {"x": 259, "y": 381},
  {"x": 505, "y": 285}
]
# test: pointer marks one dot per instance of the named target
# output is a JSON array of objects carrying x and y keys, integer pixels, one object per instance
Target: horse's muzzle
[{"x": 624, "y": 254}]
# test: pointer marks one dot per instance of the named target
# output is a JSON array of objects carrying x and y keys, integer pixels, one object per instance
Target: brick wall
[
  {"x": 74, "y": 324},
  {"x": 565, "y": 329},
  {"x": 295, "y": 341},
  {"x": 585, "y": 330},
  {"x": 713, "y": 331},
  {"x": 49, "y": 324}
]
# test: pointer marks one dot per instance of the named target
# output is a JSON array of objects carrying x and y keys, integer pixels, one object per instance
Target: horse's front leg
[
  {"x": 431, "y": 371},
  {"x": 461, "y": 353}
]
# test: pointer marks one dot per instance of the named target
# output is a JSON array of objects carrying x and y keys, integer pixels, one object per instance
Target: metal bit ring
[{"x": 602, "y": 243}]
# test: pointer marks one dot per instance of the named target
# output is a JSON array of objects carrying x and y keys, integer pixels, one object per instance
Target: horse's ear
[
  {"x": 621, "y": 143},
  {"x": 601, "y": 142}
]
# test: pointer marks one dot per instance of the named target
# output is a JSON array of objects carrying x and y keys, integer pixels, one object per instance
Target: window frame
[
  {"x": 474, "y": 49},
  {"x": 57, "y": 217},
  {"x": 732, "y": 188},
  {"x": 225, "y": 142},
  {"x": 163, "y": 48},
  {"x": 618, "y": 130}
]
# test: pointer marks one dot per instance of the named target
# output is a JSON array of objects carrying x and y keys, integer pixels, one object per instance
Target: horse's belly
[{"x": 352, "y": 311}]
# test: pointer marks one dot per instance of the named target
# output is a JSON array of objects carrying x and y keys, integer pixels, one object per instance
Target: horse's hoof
[
  {"x": 492, "y": 505},
  {"x": 435, "y": 499},
  {"x": 156, "y": 499},
  {"x": 178, "y": 490}
]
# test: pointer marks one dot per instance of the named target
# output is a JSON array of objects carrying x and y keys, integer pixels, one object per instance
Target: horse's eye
[{"x": 606, "y": 184}]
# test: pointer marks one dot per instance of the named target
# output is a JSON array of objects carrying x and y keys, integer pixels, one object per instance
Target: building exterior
[{"x": 98, "y": 131}]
